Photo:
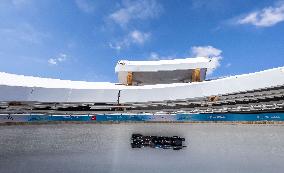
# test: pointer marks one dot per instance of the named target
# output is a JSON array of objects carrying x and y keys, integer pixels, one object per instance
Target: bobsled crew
[{"x": 140, "y": 141}]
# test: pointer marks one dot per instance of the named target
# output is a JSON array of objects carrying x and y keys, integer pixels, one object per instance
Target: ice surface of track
[{"x": 106, "y": 148}]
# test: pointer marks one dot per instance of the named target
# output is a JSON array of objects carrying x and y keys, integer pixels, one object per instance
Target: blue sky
[{"x": 83, "y": 39}]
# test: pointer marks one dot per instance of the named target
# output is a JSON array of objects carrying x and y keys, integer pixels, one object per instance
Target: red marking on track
[{"x": 94, "y": 118}]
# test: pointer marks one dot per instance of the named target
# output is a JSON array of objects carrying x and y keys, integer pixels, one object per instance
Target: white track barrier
[{"x": 25, "y": 88}]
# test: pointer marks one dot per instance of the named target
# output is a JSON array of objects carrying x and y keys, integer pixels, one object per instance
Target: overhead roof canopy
[{"x": 166, "y": 65}]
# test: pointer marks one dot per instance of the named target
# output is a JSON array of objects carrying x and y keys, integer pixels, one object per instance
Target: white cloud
[
  {"x": 205, "y": 51},
  {"x": 139, "y": 9},
  {"x": 52, "y": 61},
  {"x": 19, "y": 3},
  {"x": 22, "y": 33},
  {"x": 58, "y": 59},
  {"x": 134, "y": 37},
  {"x": 62, "y": 57},
  {"x": 155, "y": 56},
  {"x": 116, "y": 45},
  {"x": 196, "y": 51},
  {"x": 139, "y": 37},
  {"x": 208, "y": 51},
  {"x": 228, "y": 65},
  {"x": 216, "y": 62},
  {"x": 265, "y": 17},
  {"x": 86, "y": 6}
]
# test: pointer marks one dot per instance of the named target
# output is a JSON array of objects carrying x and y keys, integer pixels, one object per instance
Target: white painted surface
[
  {"x": 166, "y": 65},
  {"x": 268, "y": 78},
  {"x": 25, "y": 88}
]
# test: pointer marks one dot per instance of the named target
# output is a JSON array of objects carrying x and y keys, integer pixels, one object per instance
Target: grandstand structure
[{"x": 164, "y": 86}]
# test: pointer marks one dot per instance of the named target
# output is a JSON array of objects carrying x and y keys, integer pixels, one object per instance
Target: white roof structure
[
  {"x": 166, "y": 65},
  {"x": 30, "y": 81},
  {"x": 25, "y": 88}
]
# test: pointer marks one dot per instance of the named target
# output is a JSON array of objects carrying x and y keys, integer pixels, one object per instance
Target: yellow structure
[
  {"x": 129, "y": 78},
  {"x": 195, "y": 77},
  {"x": 213, "y": 98}
]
